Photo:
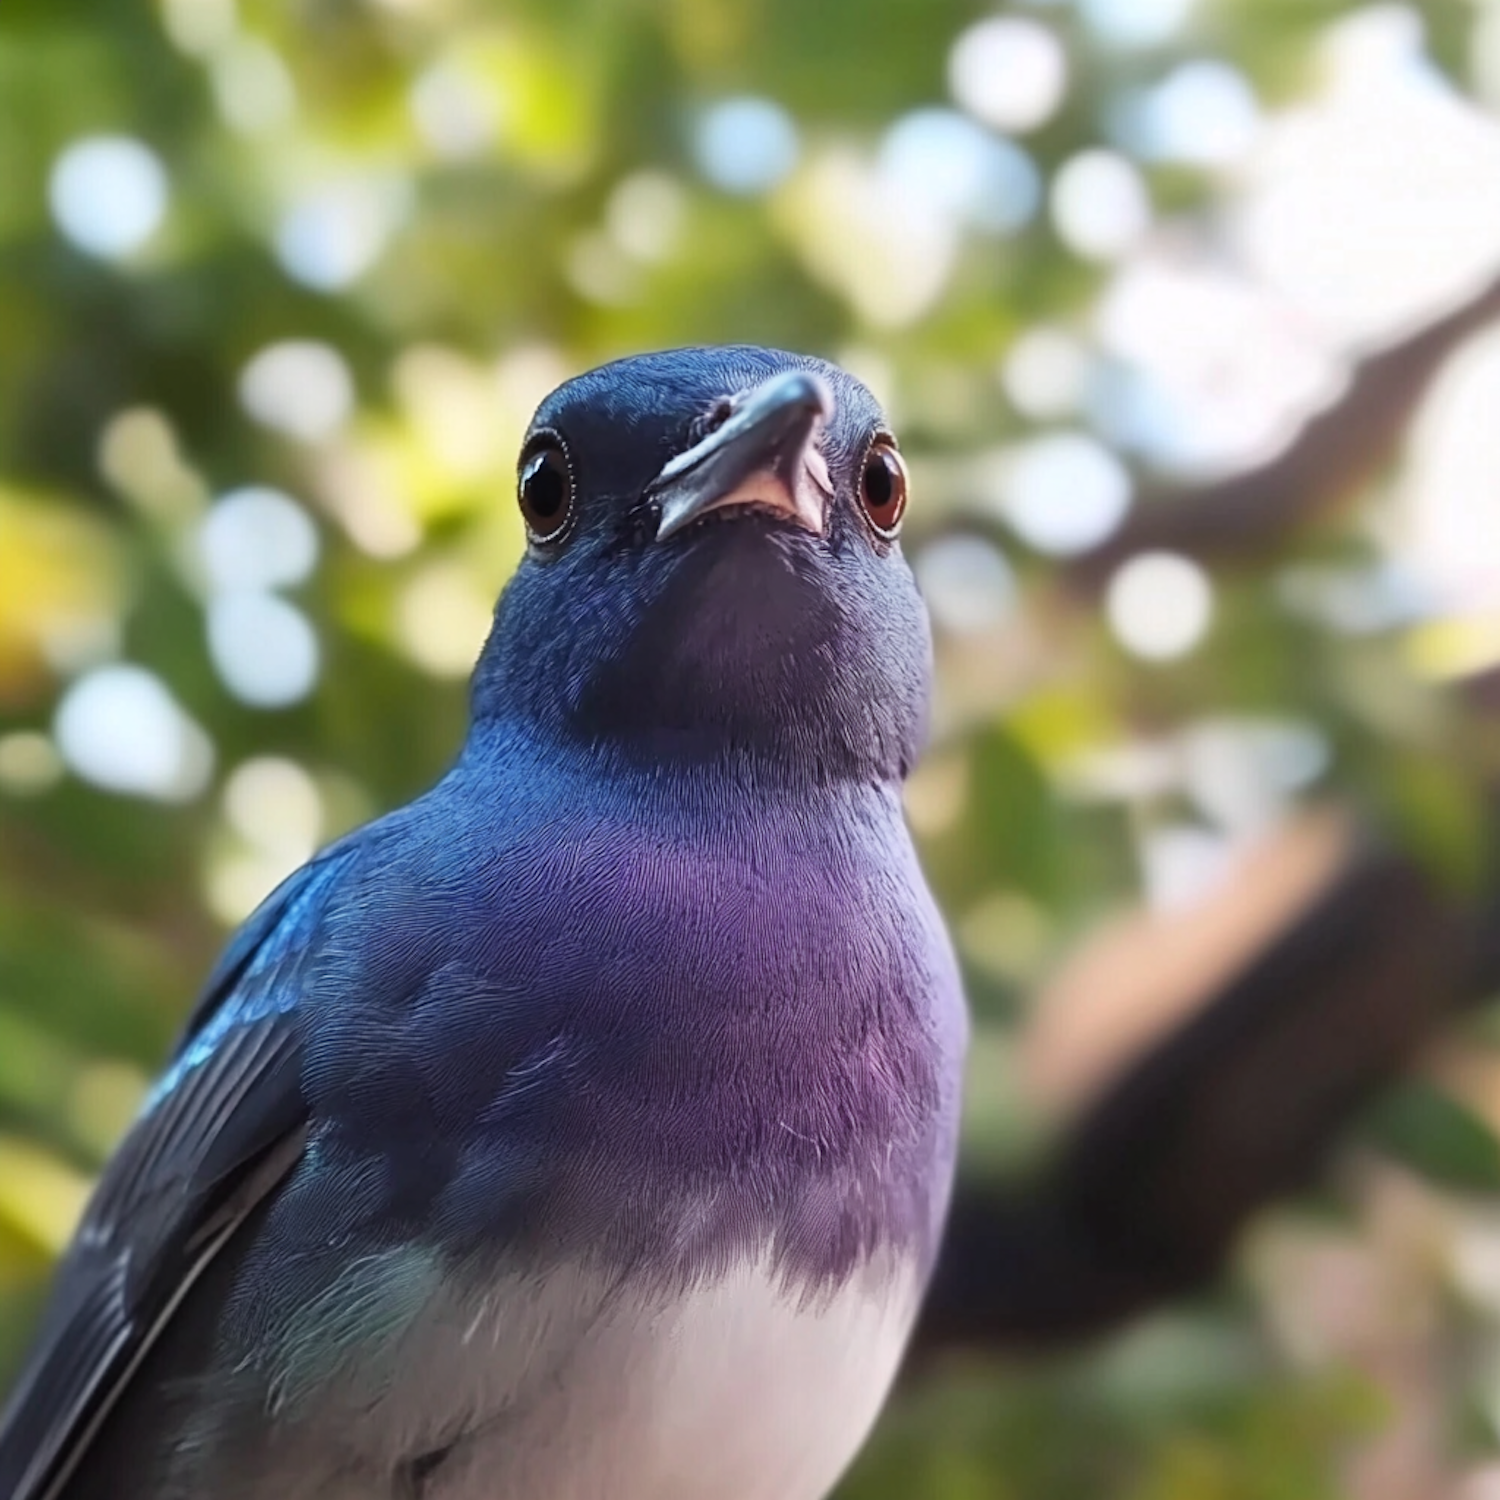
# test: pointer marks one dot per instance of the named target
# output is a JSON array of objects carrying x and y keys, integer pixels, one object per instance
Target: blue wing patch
[
  {"x": 256, "y": 977},
  {"x": 217, "y": 1134}
]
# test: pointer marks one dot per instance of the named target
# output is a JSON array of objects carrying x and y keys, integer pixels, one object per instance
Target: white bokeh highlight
[
  {"x": 862, "y": 235},
  {"x": 275, "y": 806},
  {"x": 1063, "y": 493},
  {"x": 456, "y": 111},
  {"x": 442, "y": 618},
  {"x": 940, "y": 162},
  {"x": 264, "y": 649},
  {"x": 1136, "y": 23},
  {"x": 1009, "y": 71},
  {"x": 119, "y": 728},
  {"x": 1100, "y": 205},
  {"x": 1363, "y": 206},
  {"x": 108, "y": 195},
  {"x": 646, "y": 214},
  {"x": 1183, "y": 863},
  {"x": 1159, "y": 606},
  {"x": 299, "y": 387},
  {"x": 1215, "y": 371},
  {"x": 253, "y": 87},
  {"x": 1243, "y": 774},
  {"x": 257, "y": 538},
  {"x": 200, "y": 27},
  {"x": 1204, "y": 113},
  {"x": 969, "y": 586},
  {"x": 1448, "y": 525},
  {"x": 275, "y": 810},
  {"x": 1046, "y": 372},
  {"x": 332, "y": 234}
]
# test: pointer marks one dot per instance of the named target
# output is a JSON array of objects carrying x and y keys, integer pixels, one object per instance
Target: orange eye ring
[
  {"x": 884, "y": 487},
  {"x": 544, "y": 489}
]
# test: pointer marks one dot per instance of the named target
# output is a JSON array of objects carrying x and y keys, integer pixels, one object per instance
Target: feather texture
[{"x": 213, "y": 1139}]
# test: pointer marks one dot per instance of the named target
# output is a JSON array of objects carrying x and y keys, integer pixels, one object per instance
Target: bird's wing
[{"x": 223, "y": 1126}]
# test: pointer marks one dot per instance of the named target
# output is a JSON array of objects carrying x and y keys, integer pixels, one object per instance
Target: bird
[{"x": 585, "y": 1128}]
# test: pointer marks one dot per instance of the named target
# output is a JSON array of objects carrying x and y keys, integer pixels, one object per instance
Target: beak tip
[
  {"x": 771, "y": 428},
  {"x": 810, "y": 391}
]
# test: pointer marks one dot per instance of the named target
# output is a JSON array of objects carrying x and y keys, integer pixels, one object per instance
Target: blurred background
[{"x": 1182, "y": 311}]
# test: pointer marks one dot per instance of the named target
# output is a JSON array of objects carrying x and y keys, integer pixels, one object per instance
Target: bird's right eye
[{"x": 546, "y": 491}]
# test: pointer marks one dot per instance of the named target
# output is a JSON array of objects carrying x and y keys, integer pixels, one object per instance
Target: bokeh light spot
[
  {"x": 199, "y": 27},
  {"x": 29, "y": 763},
  {"x": 1160, "y": 605},
  {"x": 967, "y": 583},
  {"x": 864, "y": 237},
  {"x": 1204, "y": 113},
  {"x": 119, "y": 728},
  {"x": 108, "y": 194},
  {"x": 1448, "y": 540},
  {"x": 1135, "y": 23},
  {"x": 943, "y": 163},
  {"x": 1100, "y": 205},
  {"x": 1362, "y": 207},
  {"x": 139, "y": 455},
  {"x": 257, "y": 538},
  {"x": 1243, "y": 772},
  {"x": 457, "y": 112},
  {"x": 600, "y": 271},
  {"x": 263, "y": 648},
  {"x": 1210, "y": 371},
  {"x": 645, "y": 215},
  {"x": 745, "y": 145},
  {"x": 275, "y": 806},
  {"x": 1184, "y": 863},
  {"x": 936, "y": 794},
  {"x": 443, "y": 618},
  {"x": 300, "y": 387},
  {"x": 1064, "y": 493},
  {"x": 332, "y": 235},
  {"x": 1009, "y": 72},
  {"x": 453, "y": 403},
  {"x": 252, "y": 87},
  {"x": 1046, "y": 373}
]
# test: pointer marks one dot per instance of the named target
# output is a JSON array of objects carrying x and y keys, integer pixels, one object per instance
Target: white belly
[{"x": 570, "y": 1389}]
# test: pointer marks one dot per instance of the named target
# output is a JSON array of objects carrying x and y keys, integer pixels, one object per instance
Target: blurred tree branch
[
  {"x": 1235, "y": 1105},
  {"x": 1335, "y": 453}
]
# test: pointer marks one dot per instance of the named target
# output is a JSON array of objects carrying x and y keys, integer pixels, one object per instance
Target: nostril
[{"x": 711, "y": 420}]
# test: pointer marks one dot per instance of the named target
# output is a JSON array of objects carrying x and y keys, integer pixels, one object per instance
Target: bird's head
[{"x": 713, "y": 570}]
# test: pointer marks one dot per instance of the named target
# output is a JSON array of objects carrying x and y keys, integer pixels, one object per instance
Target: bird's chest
[{"x": 740, "y": 1387}]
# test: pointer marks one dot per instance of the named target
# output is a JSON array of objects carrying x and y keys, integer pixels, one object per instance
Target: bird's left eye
[
  {"x": 883, "y": 488},
  {"x": 546, "y": 491}
]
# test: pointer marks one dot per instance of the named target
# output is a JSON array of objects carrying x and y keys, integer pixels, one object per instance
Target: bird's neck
[{"x": 685, "y": 771}]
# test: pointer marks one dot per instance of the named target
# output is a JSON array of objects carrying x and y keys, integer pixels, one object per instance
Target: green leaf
[{"x": 1436, "y": 1135}]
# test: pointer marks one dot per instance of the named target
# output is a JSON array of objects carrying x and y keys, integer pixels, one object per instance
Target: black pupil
[
  {"x": 545, "y": 485},
  {"x": 880, "y": 482}
]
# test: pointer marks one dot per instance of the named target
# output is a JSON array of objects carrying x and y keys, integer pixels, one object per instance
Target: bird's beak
[{"x": 761, "y": 457}]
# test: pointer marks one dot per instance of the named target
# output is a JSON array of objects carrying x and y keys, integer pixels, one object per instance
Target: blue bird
[{"x": 584, "y": 1129}]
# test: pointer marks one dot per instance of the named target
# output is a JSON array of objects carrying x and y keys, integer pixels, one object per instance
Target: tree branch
[
  {"x": 1234, "y": 1107},
  {"x": 1335, "y": 453}
]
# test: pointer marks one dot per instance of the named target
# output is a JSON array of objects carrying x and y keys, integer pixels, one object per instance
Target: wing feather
[{"x": 219, "y": 1131}]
